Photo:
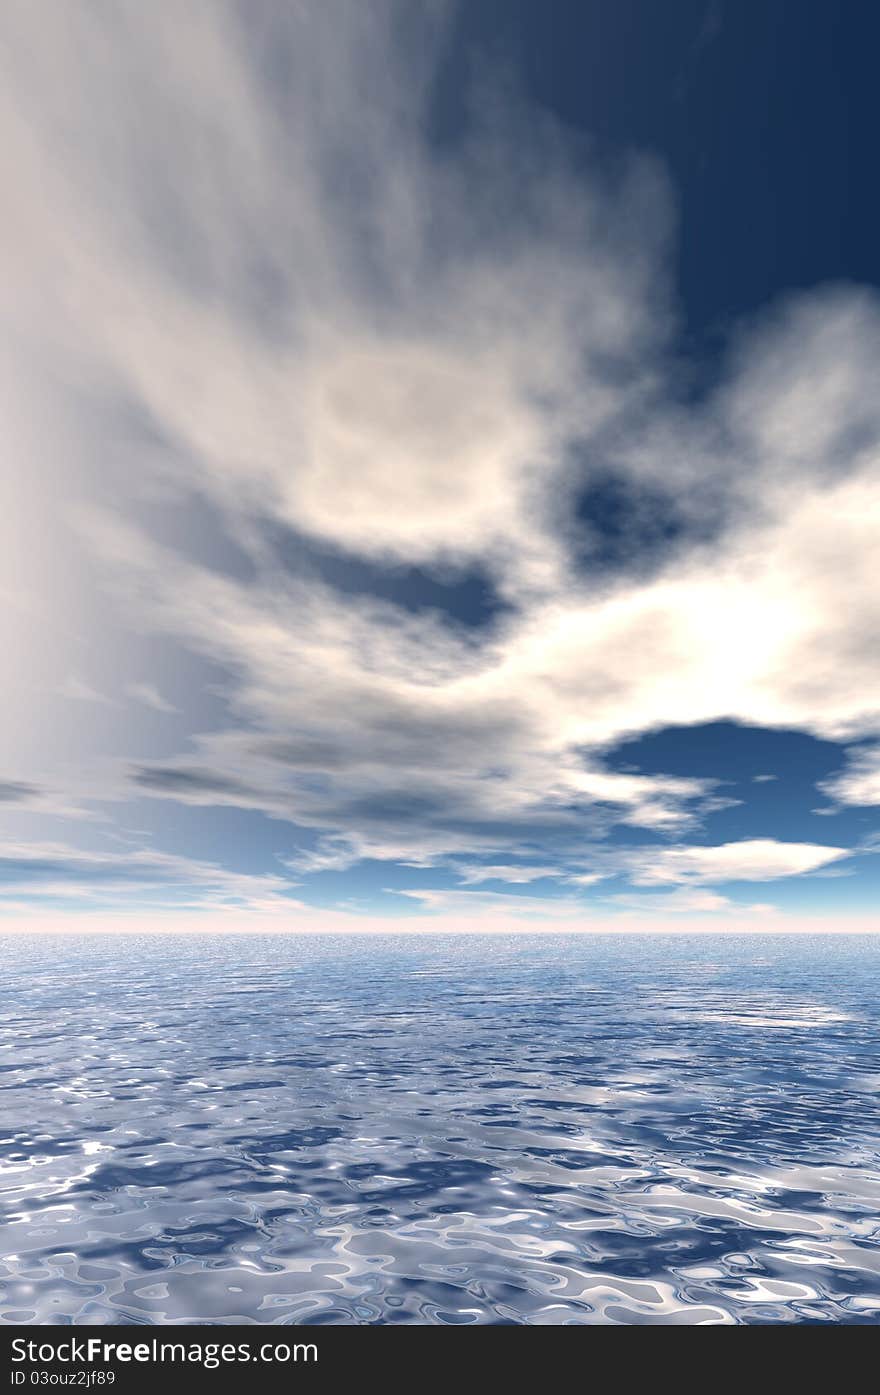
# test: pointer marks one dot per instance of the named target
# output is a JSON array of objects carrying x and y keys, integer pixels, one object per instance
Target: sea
[{"x": 451, "y": 1129}]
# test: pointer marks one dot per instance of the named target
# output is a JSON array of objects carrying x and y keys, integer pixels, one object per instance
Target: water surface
[{"x": 440, "y": 1129}]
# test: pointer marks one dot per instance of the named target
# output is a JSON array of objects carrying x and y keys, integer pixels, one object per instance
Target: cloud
[
  {"x": 672, "y": 865},
  {"x": 422, "y": 734},
  {"x": 322, "y": 314},
  {"x": 23, "y": 799},
  {"x": 246, "y": 286},
  {"x": 569, "y": 909},
  {"x": 77, "y": 690},
  {"x": 685, "y": 870},
  {"x": 496, "y": 904},
  {"x": 680, "y": 902},
  {"x": 470, "y": 876},
  {"x": 149, "y": 695},
  {"x": 859, "y": 783},
  {"x": 201, "y": 786},
  {"x": 751, "y": 859},
  {"x": 133, "y": 879},
  {"x": 17, "y": 792}
]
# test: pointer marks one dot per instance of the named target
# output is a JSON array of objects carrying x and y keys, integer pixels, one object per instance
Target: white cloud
[
  {"x": 751, "y": 859},
  {"x": 367, "y": 365},
  {"x": 499, "y": 904},
  {"x": 859, "y": 783},
  {"x": 393, "y": 711}
]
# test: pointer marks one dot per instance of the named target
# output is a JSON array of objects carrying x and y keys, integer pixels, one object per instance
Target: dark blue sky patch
[
  {"x": 464, "y": 596},
  {"x": 728, "y": 751},
  {"x": 738, "y": 757},
  {"x": 633, "y": 527}
]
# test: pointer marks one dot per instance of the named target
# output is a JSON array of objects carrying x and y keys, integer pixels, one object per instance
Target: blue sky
[{"x": 442, "y": 483}]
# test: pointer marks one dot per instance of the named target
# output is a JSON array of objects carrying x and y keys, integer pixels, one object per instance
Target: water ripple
[{"x": 438, "y": 1129}]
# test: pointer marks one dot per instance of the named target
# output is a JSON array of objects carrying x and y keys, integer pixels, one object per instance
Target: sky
[{"x": 441, "y": 481}]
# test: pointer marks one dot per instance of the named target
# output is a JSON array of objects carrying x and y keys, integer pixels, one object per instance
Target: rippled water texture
[{"x": 440, "y": 1129}]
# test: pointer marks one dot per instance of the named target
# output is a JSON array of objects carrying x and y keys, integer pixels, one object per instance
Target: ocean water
[{"x": 440, "y": 1129}]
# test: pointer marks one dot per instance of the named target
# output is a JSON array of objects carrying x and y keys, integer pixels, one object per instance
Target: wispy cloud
[
  {"x": 680, "y": 902},
  {"x": 130, "y": 880},
  {"x": 17, "y": 792},
  {"x": 522, "y": 875},
  {"x": 77, "y": 690},
  {"x": 149, "y": 695}
]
